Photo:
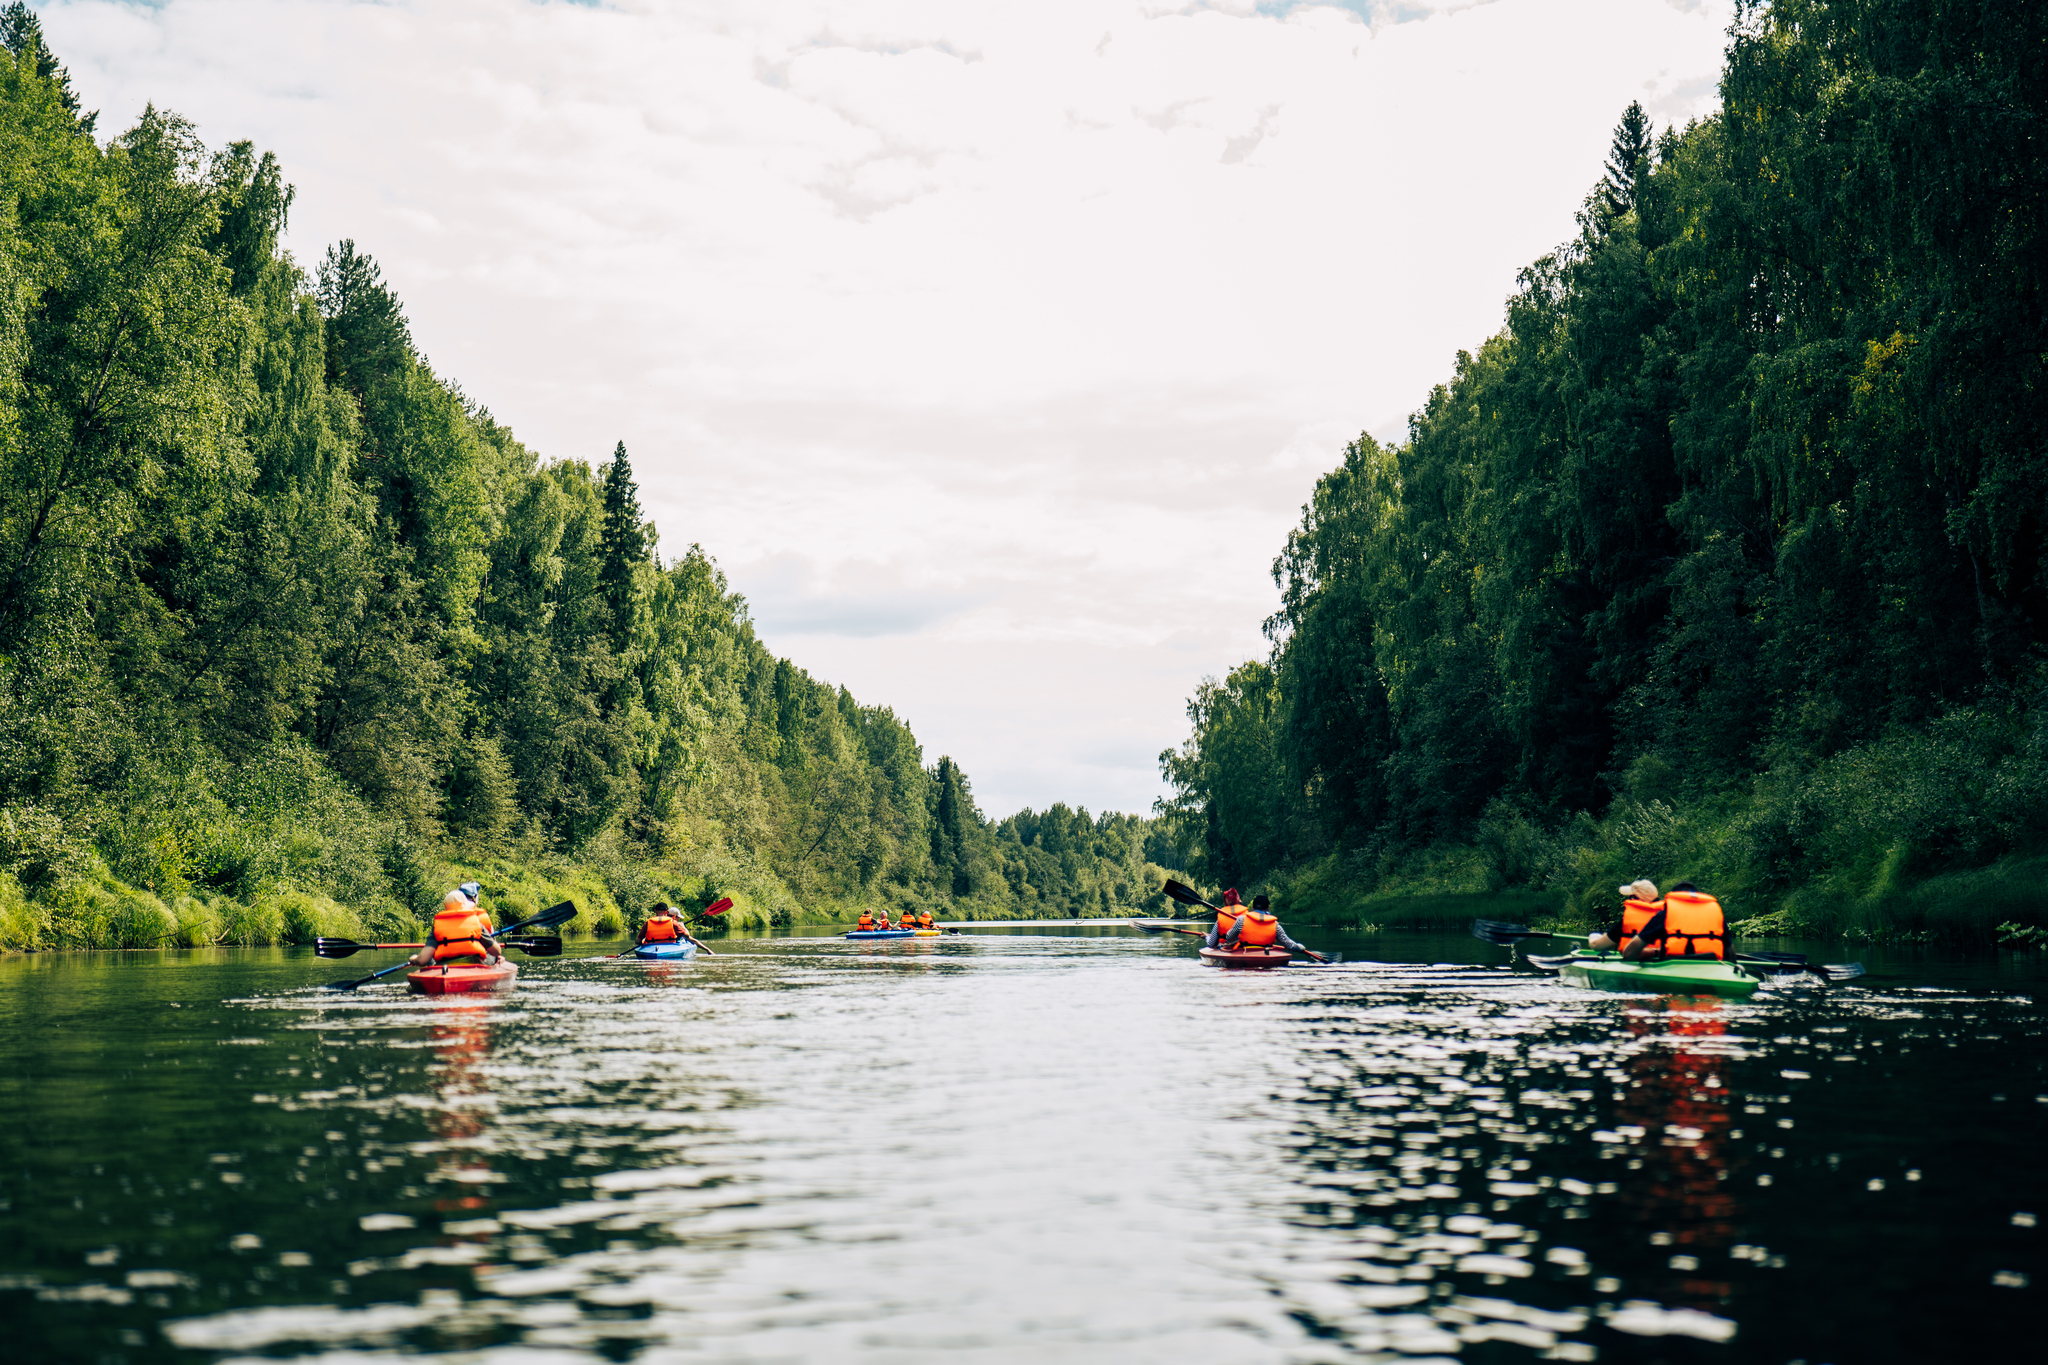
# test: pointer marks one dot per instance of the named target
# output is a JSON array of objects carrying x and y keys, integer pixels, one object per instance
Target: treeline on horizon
[
  {"x": 1723, "y": 559},
  {"x": 293, "y": 633}
]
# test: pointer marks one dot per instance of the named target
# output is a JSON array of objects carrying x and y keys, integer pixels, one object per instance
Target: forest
[
  {"x": 294, "y": 634},
  {"x": 1723, "y": 558}
]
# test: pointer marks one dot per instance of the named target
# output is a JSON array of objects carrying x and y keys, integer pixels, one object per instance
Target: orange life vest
[
  {"x": 883, "y": 921},
  {"x": 867, "y": 921},
  {"x": 1634, "y": 915},
  {"x": 1694, "y": 925},
  {"x": 1257, "y": 929},
  {"x": 459, "y": 933},
  {"x": 1226, "y": 915},
  {"x": 659, "y": 929},
  {"x": 924, "y": 921}
]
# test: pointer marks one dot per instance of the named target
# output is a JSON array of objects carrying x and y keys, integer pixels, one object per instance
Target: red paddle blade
[{"x": 719, "y": 906}]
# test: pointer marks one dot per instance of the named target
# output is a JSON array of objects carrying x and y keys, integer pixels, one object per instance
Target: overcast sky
[{"x": 991, "y": 348}]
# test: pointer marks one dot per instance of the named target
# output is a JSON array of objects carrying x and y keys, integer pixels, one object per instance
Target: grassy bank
[{"x": 1448, "y": 887}]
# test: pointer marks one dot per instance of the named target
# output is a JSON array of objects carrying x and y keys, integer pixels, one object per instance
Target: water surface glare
[{"x": 1049, "y": 1144}]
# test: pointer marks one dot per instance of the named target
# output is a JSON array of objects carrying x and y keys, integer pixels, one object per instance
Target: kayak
[
  {"x": 1676, "y": 976},
  {"x": 463, "y": 978},
  {"x": 1247, "y": 957},
  {"x": 887, "y": 933},
  {"x": 666, "y": 952}
]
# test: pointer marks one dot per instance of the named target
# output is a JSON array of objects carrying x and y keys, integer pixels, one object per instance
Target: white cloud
[{"x": 990, "y": 347}]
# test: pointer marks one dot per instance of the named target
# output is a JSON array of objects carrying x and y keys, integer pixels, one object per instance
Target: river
[{"x": 1021, "y": 1144}]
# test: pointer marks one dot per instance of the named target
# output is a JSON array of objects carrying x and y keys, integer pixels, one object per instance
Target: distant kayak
[
  {"x": 1247, "y": 957},
  {"x": 463, "y": 979},
  {"x": 1675, "y": 976},
  {"x": 890, "y": 933},
  {"x": 666, "y": 952}
]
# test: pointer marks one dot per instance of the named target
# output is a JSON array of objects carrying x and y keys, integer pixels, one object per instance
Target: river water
[{"x": 1017, "y": 1145}]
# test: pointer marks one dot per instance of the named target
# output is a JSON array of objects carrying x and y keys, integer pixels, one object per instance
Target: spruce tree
[
  {"x": 22, "y": 34},
  {"x": 624, "y": 544},
  {"x": 1628, "y": 161}
]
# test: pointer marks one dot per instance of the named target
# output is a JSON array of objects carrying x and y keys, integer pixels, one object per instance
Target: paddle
[
  {"x": 1186, "y": 895},
  {"x": 554, "y": 914},
  {"x": 1507, "y": 935},
  {"x": 546, "y": 945}
]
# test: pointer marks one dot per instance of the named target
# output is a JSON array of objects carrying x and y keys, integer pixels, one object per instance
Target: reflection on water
[{"x": 1052, "y": 1145}]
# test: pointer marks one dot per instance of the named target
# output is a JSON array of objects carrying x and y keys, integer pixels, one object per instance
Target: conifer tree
[
  {"x": 22, "y": 34},
  {"x": 1628, "y": 161},
  {"x": 624, "y": 544}
]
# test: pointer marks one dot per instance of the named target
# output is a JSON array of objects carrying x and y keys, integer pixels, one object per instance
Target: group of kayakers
[
  {"x": 1685, "y": 922},
  {"x": 463, "y": 933},
  {"x": 872, "y": 921}
]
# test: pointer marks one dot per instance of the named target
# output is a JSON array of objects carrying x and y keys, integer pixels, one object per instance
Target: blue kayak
[
  {"x": 666, "y": 952},
  {"x": 883, "y": 933}
]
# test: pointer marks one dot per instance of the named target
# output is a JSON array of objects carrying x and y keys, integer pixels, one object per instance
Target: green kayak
[{"x": 1676, "y": 976}]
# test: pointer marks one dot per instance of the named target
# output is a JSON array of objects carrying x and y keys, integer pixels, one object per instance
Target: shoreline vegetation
[
  {"x": 1723, "y": 560},
  {"x": 294, "y": 634}
]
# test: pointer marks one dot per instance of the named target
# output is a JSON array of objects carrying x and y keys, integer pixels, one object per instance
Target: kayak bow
[
  {"x": 885, "y": 933},
  {"x": 1247, "y": 957}
]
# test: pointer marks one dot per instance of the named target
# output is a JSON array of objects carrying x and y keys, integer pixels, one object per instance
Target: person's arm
[
  {"x": 1605, "y": 938},
  {"x": 1289, "y": 944},
  {"x": 1230, "y": 939},
  {"x": 1652, "y": 936}
]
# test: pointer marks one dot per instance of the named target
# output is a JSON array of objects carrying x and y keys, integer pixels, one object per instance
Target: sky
[{"x": 991, "y": 348}]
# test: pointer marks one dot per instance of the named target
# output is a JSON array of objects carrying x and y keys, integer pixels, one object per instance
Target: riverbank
[{"x": 1446, "y": 888}]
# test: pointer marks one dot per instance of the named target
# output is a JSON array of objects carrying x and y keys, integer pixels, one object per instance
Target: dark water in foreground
[{"x": 1041, "y": 1145}]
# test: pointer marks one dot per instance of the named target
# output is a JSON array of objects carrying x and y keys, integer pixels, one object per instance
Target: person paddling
[
  {"x": 1226, "y": 918},
  {"x": 924, "y": 921},
  {"x": 1258, "y": 927},
  {"x": 1638, "y": 903},
  {"x": 462, "y": 931},
  {"x": 866, "y": 925},
  {"x": 662, "y": 926},
  {"x": 1690, "y": 923}
]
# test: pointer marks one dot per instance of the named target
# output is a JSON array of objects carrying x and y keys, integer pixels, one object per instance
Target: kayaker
[
  {"x": 1226, "y": 917},
  {"x": 1638, "y": 903},
  {"x": 1258, "y": 927},
  {"x": 662, "y": 926},
  {"x": 1689, "y": 924},
  {"x": 924, "y": 921},
  {"x": 867, "y": 922},
  {"x": 462, "y": 931}
]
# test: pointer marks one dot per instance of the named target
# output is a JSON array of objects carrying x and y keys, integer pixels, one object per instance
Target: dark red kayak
[
  {"x": 462, "y": 978},
  {"x": 1247, "y": 957}
]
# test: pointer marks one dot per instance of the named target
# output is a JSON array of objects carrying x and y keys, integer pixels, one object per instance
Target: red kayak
[
  {"x": 462, "y": 978},
  {"x": 1247, "y": 957}
]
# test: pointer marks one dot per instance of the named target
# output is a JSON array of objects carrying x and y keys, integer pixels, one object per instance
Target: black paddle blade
[
  {"x": 1501, "y": 932},
  {"x": 554, "y": 914},
  {"x": 337, "y": 947},
  {"x": 1843, "y": 971},
  {"x": 546, "y": 945},
  {"x": 1790, "y": 959},
  {"x": 1185, "y": 895}
]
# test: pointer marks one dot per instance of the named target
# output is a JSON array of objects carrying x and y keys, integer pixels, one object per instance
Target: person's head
[
  {"x": 458, "y": 899},
  {"x": 1261, "y": 903},
  {"x": 1642, "y": 889},
  {"x": 660, "y": 908},
  {"x": 472, "y": 890},
  {"x": 1230, "y": 896},
  {"x": 1686, "y": 886}
]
